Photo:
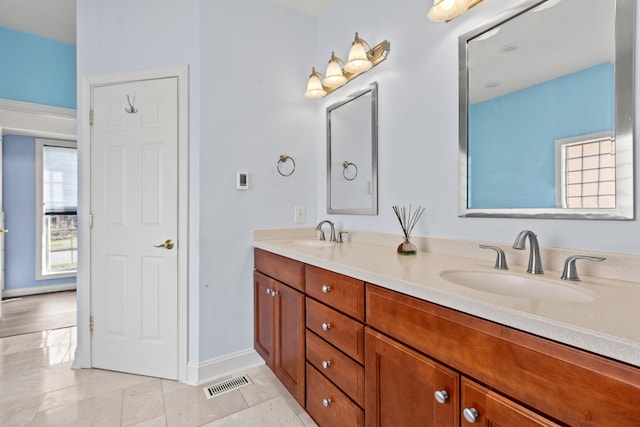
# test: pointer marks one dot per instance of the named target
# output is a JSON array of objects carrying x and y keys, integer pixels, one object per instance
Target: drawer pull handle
[
  {"x": 326, "y": 402},
  {"x": 326, "y": 364},
  {"x": 441, "y": 396},
  {"x": 326, "y": 289},
  {"x": 326, "y": 326},
  {"x": 470, "y": 414}
]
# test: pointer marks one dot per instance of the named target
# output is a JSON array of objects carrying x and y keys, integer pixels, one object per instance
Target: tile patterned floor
[{"x": 39, "y": 388}]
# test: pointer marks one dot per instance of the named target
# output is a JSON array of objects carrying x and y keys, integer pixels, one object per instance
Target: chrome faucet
[
  {"x": 333, "y": 230},
  {"x": 535, "y": 262}
]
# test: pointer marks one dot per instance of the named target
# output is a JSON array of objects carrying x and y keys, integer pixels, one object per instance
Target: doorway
[{"x": 134, "y": 170}]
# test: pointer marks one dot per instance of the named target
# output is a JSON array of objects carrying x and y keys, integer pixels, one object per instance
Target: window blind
[{"x": 60, "y": 180}]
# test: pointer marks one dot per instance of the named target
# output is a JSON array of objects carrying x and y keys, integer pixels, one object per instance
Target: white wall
[
  {"x": 255, "y": 57},
  {"x": 120, "y": 35},
  {"x": 418, "y": 127},
  {"x": 248, "y": 66}
]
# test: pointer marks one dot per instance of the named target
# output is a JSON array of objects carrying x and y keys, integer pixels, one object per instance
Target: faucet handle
[
  {"x": 501, "y": 260},
  {"x": 321, "y": 234},
  {"x": 570, "y": 272},
  {"x": 340, "y": 234}
]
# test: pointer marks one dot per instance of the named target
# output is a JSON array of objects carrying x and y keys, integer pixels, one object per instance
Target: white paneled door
[{"x": 134, "y": 248}]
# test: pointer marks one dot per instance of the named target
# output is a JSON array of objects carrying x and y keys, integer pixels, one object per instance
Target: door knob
[{"x": 168, "y": 244}]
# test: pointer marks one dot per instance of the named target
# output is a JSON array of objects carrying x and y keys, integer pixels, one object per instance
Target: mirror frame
[
  {"x": 624, "y": 122},
  {"x": 373, "y": 210}
]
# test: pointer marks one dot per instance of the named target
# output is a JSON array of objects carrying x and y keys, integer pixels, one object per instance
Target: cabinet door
[
  {"x": 484, "y": 407},
  {"x": 400, "y": 387},
  {"x": 264, "y": 318},
  {"x": 290, "y": 339}
]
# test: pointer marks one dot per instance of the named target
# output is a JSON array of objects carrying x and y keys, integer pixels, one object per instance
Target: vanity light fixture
[
  {"x": 362, "y": 57},
  {"x": 358, "y": 61},
  {"x": 314, "y": 86},
  {"x": 446, "y": 10},
  {"x": 334, "y": 77}
]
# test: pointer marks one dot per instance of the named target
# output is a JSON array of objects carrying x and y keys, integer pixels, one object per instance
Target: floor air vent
[{"x": 226, "y": 386}]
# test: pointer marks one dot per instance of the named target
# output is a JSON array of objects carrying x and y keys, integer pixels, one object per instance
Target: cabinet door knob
[
  {"x": 326, "y": 326},
  {"x": 326, "y": 289},
  {"x": 470, "y": 414},
  {"x": 326, "y": 364},
  {"x": 441, "y": 396},
  {"x": 268, "y": 291},
  {"x": 274, "y": 293},
  {"x": 326, "y": 402}
]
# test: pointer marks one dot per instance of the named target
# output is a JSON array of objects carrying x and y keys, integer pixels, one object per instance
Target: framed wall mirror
[
  {"x": 547, "y": 110},
  {"x": 352, "y": 154}
]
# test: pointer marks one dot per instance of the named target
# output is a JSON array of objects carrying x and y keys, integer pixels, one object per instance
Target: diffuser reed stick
[{"x": 408, "y": 221}]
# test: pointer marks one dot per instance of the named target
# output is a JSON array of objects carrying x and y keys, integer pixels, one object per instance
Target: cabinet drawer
[
  {"x": 340, "y": 369},
  {"x": 286, "y": 270},
  {"x": 327, "y": 405},
  {"x": 341, "y": 292},
  {"x": 525, "y": 367},
  {"x": 340, "y": 330},
  {"x": 494, "y": 409}
]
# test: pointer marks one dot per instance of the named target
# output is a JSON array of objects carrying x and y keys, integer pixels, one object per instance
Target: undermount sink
[
  {"x": 516, "y": 285},
  {"x": 313, "y": 243}
]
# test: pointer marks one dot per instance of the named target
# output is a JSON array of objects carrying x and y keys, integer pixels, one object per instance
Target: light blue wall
[
  {"x": 37, "y": 69},
  {"x": 512, "y": 137},
  {"x": 18, "y": 188}
]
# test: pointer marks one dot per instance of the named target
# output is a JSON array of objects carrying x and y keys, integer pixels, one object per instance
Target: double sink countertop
[{"x": 607, "y": 325}]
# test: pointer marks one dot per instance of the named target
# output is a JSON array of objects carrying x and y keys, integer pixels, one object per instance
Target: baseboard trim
[
  {"x": 199, "y": 373},
  {"x": 21, "y": 292}
]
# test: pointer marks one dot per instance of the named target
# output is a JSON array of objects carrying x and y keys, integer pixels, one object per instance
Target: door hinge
[
  {"x": 90, "y": 220},
  {"x": 90, "y": 323},
  {"x": 91, "y": 117}
]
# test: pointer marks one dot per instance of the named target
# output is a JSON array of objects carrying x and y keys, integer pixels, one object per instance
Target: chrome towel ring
[
  {"x": 283, "y": 159},
  {"x": 345, "y": 166}
]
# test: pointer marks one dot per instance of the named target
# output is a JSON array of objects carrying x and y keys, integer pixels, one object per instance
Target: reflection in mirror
[
  {"x": 352, "y": 154},
  {"x": 546, "y": 112}
]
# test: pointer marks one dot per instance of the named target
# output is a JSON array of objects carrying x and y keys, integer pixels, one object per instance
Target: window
[
  {"x": 588, "y": 172},
  {"x": 56, "y": 209}
]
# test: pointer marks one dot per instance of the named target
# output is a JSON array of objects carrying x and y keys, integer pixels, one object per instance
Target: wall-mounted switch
[
  {"x": 299, "y": 214},
  {"x": 242, "y": 180}
]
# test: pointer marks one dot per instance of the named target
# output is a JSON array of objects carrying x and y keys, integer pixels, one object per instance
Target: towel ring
[
  {"x": 345, "y": 166},
  {"x": 283, "y": 160}
]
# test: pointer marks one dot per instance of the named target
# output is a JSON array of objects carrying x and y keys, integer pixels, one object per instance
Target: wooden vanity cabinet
[
  {"x": 335, "y": 348},
  {"x": 518, "y": 375},
  {"x": 279, "y": 331}
]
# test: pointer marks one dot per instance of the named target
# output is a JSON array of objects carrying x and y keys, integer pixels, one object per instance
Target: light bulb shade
[
  {"x": 445, "y": 10},
  {"x": 358, "y": 60},
  {"x": 333, "y": 76},
  {"x": 314, "y": 86}
]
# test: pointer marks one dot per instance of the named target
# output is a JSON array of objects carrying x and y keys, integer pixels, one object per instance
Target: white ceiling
[
  {"x": 47, "y": 18},
  {"x": 56, "y": 19},
  {"x": 534, "y": 47}
]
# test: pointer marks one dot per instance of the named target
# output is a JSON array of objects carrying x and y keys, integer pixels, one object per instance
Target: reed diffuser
[{"x": 408, "y": 220}]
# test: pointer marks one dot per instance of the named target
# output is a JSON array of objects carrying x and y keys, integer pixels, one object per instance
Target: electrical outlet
[{"x": 299, "y": 214}]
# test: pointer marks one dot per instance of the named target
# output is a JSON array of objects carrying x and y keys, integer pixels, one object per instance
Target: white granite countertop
[{"x": 608, "y": 325}]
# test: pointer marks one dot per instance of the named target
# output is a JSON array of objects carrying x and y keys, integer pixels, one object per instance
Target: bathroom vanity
[{"x": 378, "y": 347}]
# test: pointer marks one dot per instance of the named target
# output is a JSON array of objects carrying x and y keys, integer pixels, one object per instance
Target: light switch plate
[{"x": 299, "y": 214}]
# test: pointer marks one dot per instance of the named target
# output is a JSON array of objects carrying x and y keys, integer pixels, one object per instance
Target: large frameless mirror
[
  {"x": 352, "y": 154},
  {"x": 547, "y": 111}
]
